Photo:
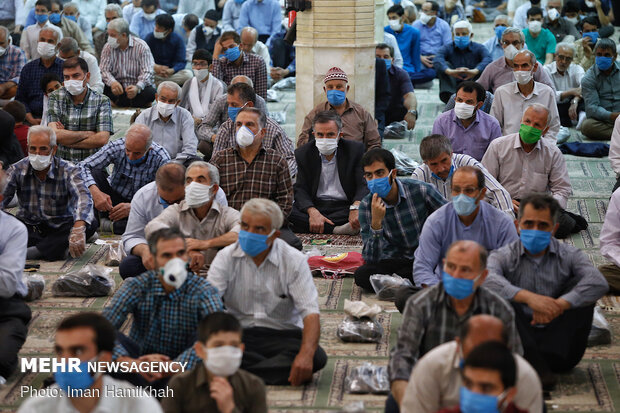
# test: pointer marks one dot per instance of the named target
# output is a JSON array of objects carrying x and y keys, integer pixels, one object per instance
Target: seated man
[
  {"x": 562, "y": 29},
  {"x": 250, "y": 44},
  {"x": 436, "y": 314},
  {"x": 70, "y": 28},
  {"x": 100, "y": 38},
  {"x": 230, "y": 15},
  {"x": 43, "y": 179},
  {"x": 469, "y": 129},
  {"x": 167, "y": 304},
  {"x": 614, "y": 153},
  {"x": 127, "y": 67},
  {"x": 205, "y": 35},
  {"x": 143, "y": 21},
  {"x": 539, "y": 41},
  {"x": 600, "y": 92},
  {"x": 29, "y": 88},
  {"x": 439, "y": 166},
  {"x": 553, "y": 318},
  {"x": 434, "y": 32},
  {"x": 250, "y": 170},
  {"x": 71, "y": 11},
  {"x": 329, "y": 186},
  {"x": 494, "y": 44},
  {"x": 88, "y": 337},
  {"x": 584, "y": 55},
  {"x": 436, "y": 379},
  {"x": 459, "y": 60},
  {"x": 357, "y": 123},
  {"x": 218, "y": 384},
  {"x": 12, "y": 62},
  {"x": 391, "y": 218},
  {"x": 31, "y": 35},
  {"x": 500, "y": 72},
  {"x": 68, "y": 48},
  {"x": 207, "y": 225},
  {"x": 610, "y": 243},
  {"x": 520, "y": 16},
  {"x": 229, "y": 61},
  {"x": 510, "y": 100},
  {"x": 172, "y": 125},
  {"x": 80, "y": 117},
  {"x": 268, "y": 285},
  {"x": 136, "y": 159},
  {"x": 168, "y": 49},
  {"x": 265, "y": 17},
  {"x": 451, "y": 12}
]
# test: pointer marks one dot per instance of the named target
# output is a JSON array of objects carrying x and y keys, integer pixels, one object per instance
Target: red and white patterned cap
[{"x": 335, "y": 73}]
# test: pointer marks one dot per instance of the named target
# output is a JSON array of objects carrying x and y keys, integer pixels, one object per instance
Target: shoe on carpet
[
  {"x": 345, "y": 229},
  {"x": 563, "y": 135}
]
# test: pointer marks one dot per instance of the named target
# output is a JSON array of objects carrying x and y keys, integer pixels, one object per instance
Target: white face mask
[
  {"x": 113, "y": 42},
  {"x": 590, "y": 4},
  {"x": 150, "y": 16},
  {"x": 534, "y": 26},
  {"x": 159, "y": 35},
  {"x": 2, "y": 51},
  {"x": 244, "y": 137},
  {"x": 573, "y": 20},
  {"x": 46, "y": 50},
  {"x": 201, "y": 74},
  {"x": 425, "y": 18},
  {"x": 223, "y": 361},
  {"x": 207, "y": 30},
  {"x": 165, "y": 109},
  {"x": 175, "y": 272},
  {"x": 553, "y": 14},
  {"x": 463, "y": 110},
  {"x": 39, "y": 162},
  {"x": 395, "y": 24},
  {"x": 326, "y": 146},
  {"x": 522, "y": 77},
  {"x": 74, "y": 87},
  {"x": 510, "y": 52},
  {"x": 197, "y": 195}
]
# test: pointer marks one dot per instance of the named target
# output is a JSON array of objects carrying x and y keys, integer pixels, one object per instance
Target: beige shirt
[
  {"x": 436, "y": 379},
  {"x": 219, "y": 220},
  {"x": 520, "y": 173}
]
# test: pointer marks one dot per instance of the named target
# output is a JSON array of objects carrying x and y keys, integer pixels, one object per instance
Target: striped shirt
[
  {"x": 11, "y": 64},
  {"x": 132, "y": 66},
  {"x": 252, "y": 66},
  {"x": 400, "y": 231},
  {"x": 496, "y": 194},
  {"x": 279, "y": 294},
  {"x": 429, "y": 320}
]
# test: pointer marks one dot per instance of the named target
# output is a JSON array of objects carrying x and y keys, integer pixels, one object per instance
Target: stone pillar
[{"x": 335, "y": 33}]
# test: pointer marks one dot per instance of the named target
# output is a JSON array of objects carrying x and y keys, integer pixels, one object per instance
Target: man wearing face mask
[
  {"x": 100, "y": 38},
  {"x": 207, "y": 225},
  {"x": 88, "y": 337},
  {"x": 562, "y": 29},
  {"x": 143, "y": 22},
  {"x": 168, "y": 49},
  {"x": 264, "y": 15},
  {"x": 167, "y": 303},
  {"x": 69, "y": 28},
  {"x": 597, "y": 8},
  {"x": 68, "y": 48},
  {"x": 520, "y": 18},
  {"x": 12, "y": 61},
  {"x": 218, "y": 384},
  {"x": 329, "y": 186},
  {"x": 205, "y": 35},
  {"x": 357, "y": 123},
  {"x": 136, "y": 159},
  {"x": 510, "y": 100},
  {"x": 30, "y": 41},
  {"x": 267, "y": 284},
  {"x": 584, "y": 46},
  {"x": 540, "y": 41},
  {"x": 81, "y": 117},
  {"x": 44, "y": 179},
  {"x": 494, "y": 44},
  {"x": 554, "y": 317},
  {"x": 434, "y": 32}
]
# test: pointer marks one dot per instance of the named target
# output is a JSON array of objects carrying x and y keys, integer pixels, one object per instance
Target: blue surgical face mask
[
  {"x": 41, "y": 18},
  {"x": 134, "y": 162},
  {"x": 471, "y": 402},
  {"x": 380, "y": 186},
  {"x": 54, "y": 18},
  {"x": 239, "y": 1},
  {"x": 458, "y": 288},
  {"x": 75, "y": 380},
  {"x": 603, "y": 63},
  {"x": 232, "y": 54},
  {"x": 449, "y": 174},
  {"x": 253, "y": 244},
  {"x": 388, "y": 63},
  {"x": 499, "y": 31},
  {"x": 591, "y": 35},
  {"x": 232, "y": 113},
  {"x": 461, "y": 41},
  {"x": 72, "y": 18},
  {"x": 534, "y": 241},
  {"x": 336, "y": 97},
  {"x": 464, "y": 205},
  {"x": 163, "y": 202}
]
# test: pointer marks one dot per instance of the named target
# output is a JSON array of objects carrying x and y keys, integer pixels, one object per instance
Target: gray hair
[
  {"x": 7, "y": 33},
  {"x": 434, "y": 145},
  {"x": 49, "y": 29},
  {"x": 252, "y": 31},
  {"x": 266, "y": 208},
  {"x": 537, "y": 107},
  {"x": 242, "y": 79},
  {"x": 72, "y": 5},
  {"x": 529, "y": 53},
  {"x": 68, "y": 44},
  {"x": 213, "y": 172},
  {"x": 140, "y": 129},
  {"x": 163, "y": 234},
  {"x": 516, "y": 31},
  {"x": 501, "y": 17},
  {"x": 605, "y": 43},
  {"x": 466, "y": 245},
  {"x": 120, "y": 25},
  {"x": 115, "y": 8},
  {"x": 170, "y": 86},
  {"x": 462, "y": 24},
  {"x": 565, "y": 45},
  {"x": 262, "y": 117},
  {"x": 37, "y": 130}
]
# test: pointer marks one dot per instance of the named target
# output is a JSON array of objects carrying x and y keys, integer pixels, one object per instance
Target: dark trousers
[
  {"x": 289, "y": 237},
  {"x": 14, "y": 318},
  {"x": 425, "y": 75},
  {"x": 558, "y": 346},
  {"x": 281, "y": 54},
  {"x": 142, "y": 99},
  {"x": 400, "y": 266},
  {"x": 565, "y": 119},
  {"x": 403, "y": 295},
  {"x": 390, "y": 405},
  {"x": 101, "y": 179},
  {"x": 447, "y": 86},
  {"x": 270, "y": 353},
  {"x": 53, "y": 243},
  {"x": 335, "y": 211},
  {"x": 263, "y": 37},
  {"x": 395, "y": 114},
  {"x": 131, "y": 266}
]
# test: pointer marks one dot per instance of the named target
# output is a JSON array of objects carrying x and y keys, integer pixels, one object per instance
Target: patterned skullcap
[{"x": 335, "y": 73}]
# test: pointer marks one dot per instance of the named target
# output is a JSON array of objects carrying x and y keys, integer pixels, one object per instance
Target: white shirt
[
  {"x": 93, "y": 11},
  {"x": 520, "y": 19},
  {"x": 610, "y": 233},
  {"x": 569, "y": 80},
  {"x": 196, "y": 7},
  {"x": 614, "y": 148},
  {"x": 128, "y": 12},
  {"x": 95, "y": 82},
  {"x": 30, "y": 39},
  {"x": 13, "y": 244},
  {"x": 262, "y": 50},
  {"x": 390, "y": 40}
]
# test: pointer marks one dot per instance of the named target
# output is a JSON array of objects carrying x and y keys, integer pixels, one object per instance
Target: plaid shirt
[
  {"x": 163, "y": 323},
  {"x": 402, "y": 224},
  {"x": 253, "y": 66},
  {"x": 62, "y": 198},
  {"x": 126, "y": 178},
  {"x": 275, "y": 138},
  {"x": 93, "y": 114},
  {"x": 29, "y": 89},
  {"x": 132, "y": 66},
  {"x": 429, "y": 320},
  {"x": 11, "y": 64},
  {"x": 267, "y": 176}
]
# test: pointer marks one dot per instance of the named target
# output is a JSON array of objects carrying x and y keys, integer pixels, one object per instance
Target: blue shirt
[
  {"x": 400, "y": 85},
  {"x": 491, "y": 228},
  {"x": 601, "y": 93},
  {"x": 141, "y": 26},
  {"x": 230, "y": 16},
  {"x": 13, "y": 244},
  {"x": 409, "y": 44},
  {"x": 265, "y": 16},
  {"x": 432, "y": 38},
  {"x": 169, "y": 51},
  {"x": 494, "y": 48},
  {"x": 474, "y": 56},
  {"x": 29, "y": 89}
]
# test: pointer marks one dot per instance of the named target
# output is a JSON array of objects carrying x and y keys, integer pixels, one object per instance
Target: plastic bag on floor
[
  {"x": 360, "y": 330},
  {"x": 396, "y": 130},
  {"x": 279, "y": 117},
  {"x": 367, "y": 378},
  {"x": 115, "y": 255},
  {"x": 404, "y": 164},
  {"x": 386, "y": 286},
  {"x": 36, "y": 285},
  {"x": 91, "y": 281},
  {"x": 354, "y": 407},
  {"x": 273, "y": 96},
  {"x": 600, "y": 333},
  {"x": 286, "y": 83}
]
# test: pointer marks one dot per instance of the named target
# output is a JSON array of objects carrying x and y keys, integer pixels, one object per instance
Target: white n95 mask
[
  {"x": 244, "y": 137},
  {"x": 223, "y": 361},
  {"x": 175, "y": 272}
]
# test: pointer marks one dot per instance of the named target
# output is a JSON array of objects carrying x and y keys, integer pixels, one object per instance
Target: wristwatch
[
  {"x": 354, "y": 207},
  {"x": 413, "y": 112}
]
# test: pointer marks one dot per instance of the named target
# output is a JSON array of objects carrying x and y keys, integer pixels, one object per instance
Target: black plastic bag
[
  {"x": 91, "y": 281},
  {"x": 360, "y": 330},
  {"x": 367, "y": 378}
]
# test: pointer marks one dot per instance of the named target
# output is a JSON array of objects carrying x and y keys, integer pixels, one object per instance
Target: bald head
[
  {"x": 475, "y": 253},
  {"x": 138, "y": 139},
  {"x": 481, "y": 329},
  {"x": 249, "y": 37},
  {"x": 242, "y": 79}
]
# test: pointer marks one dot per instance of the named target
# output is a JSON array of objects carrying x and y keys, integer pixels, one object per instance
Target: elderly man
[
  {"x": 538, "y": 40},
  {"x": 207, "y": 225},
  {"x": 172, "y": 125},
  {"x": 494, "y": 44},
  {"x": 436, "y": 314},
  {"x": 69, "y": 27},
  {"x": 71, "y": 11},
  {"x": 459, "y": 60},
  {"x": 143, "y": 21},
  {"x": 205, "y": 35},
  {"x": 554, "y": 317},
  {"x": 43, "y": 179},
  {"x": 100, "y": 38},
  {"x": 168, "y": 49},
  {"x": 136, "y": 159},
  {"x": 436, "y": 379},
  {"x": 264, "y": 15},
  {"x": 68, "y": 48},
  {"x": 31, "y": 36},
  {"x": 230, "y": 15},
  {"x": 601, "y": 92},
  {"x": 81, "y": 117},
  {"x": 12, "y": 61},
  {"x": 610, "y": 242},
  {"x": 500, "y": 72},
  {"x": 511, "y": 99},
  {"x": 357, "y": 123},
  {"x": 268, "y": 285},
  {"x": 29, "y": 91},
  {"x": 127, "y": 67},
  {"x": 250, "y": 44},
  {"x": 562, "y": 29},
  {"x": 434, "y": 32}
]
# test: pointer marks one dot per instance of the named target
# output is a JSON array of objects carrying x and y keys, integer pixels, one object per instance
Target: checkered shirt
[
  {"x": 253, "y": 66},
  {"x": 11, "y": 64}
]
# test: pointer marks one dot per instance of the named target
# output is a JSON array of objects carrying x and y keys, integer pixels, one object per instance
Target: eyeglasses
[
  {"x": 467, "y": 191},
  {"x": 515, "y": 43}
]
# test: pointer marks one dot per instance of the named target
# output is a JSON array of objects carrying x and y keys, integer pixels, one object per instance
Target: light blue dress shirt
[
  {"x": 230, "y": 16},
  {"x": 494, "y": 47},
  {"x": 264, "y": 15},
  {"x": 13, "y": 245},
  {"x": 432, "y": 38},
  {"x": 141, "y": 26}
]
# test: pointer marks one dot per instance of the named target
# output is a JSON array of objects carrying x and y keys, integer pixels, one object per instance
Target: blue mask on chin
[
  {"x": 74, "y": 380},
  {"x": 163, "y": 202},
  {"x": 534, "y": 241},
  {"x": 134, "y": 162},
  {"x": 458, "y": 288},
  {"x": 380, "y": 186},
  {"x": 449, "y": 174},
  {"x": 253, "y": 244},
  {"x": 471, "y": 402}
]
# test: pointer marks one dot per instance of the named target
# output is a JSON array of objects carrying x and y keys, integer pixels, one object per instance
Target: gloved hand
[{"x": 77, "y": 241}]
